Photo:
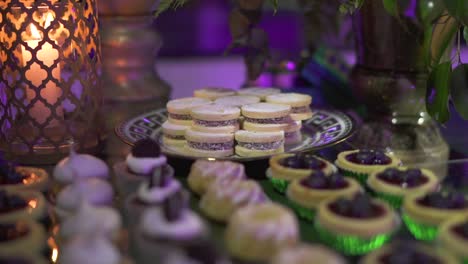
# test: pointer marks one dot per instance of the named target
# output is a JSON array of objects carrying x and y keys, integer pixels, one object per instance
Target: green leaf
[
  {"x": 163, "y": 6},
  {"x": 443, "y": 35},
  {"x": 437, "y": 93},
  {"x": 275, "y": 4},
  {"x": 391, "y": 6},
  {"x": 465, "y": 33},
  {"x": 458, "y": 9},
  {"x": 459, "y": 90}
]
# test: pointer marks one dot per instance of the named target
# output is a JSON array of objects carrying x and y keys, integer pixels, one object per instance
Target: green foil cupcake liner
[
  {"x": 349, "y": 244},
  {"x": 303, "y": 212},
  {"x": 279, "y": 185},
  {"x": 361, "y": 177},
  {"x": 420, "y": 231},
  {"x": 394, "y": 200}
]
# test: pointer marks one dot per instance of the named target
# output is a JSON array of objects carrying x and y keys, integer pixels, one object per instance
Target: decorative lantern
[{"x": 49, "y": 85}]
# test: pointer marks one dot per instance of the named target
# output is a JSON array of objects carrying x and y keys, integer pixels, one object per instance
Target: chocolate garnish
[
  {"x": 146, "y": 148},
  {"x": 160, "y": 178},
  {"x": 174, "y": 206}
]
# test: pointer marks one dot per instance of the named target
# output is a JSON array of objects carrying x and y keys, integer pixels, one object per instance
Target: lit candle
[{"x": 47, "y": 54}]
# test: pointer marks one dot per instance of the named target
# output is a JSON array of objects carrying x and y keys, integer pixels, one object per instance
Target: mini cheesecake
[
  {"x": 266, "y": 117},
  {"x": 361, "y": 163},
  {"x": 292, "y": 133},
  {"x": 237, "y": 100},
  {"x": 213, "y": 93},
  {"x": 202, "y": 144},
  {"x": 356, "y": 225},
  {"x": 307, "y": 193},
  {"x": 215, "y": 119},
  {"x": 405, "y": 252},
  {"x": 174, "y": 134},
  {"x": 424, "y": 213},
  {"x": 393, "y": 184},
  {"x": 285, "y": 168},
  {"x": 256, "y": 144},
  {"x": 178, "y": 110},
  {"x": 20, "y": 205},
  {"x": 453, "y": 236},
  {"x": 19, "y": 178},
  {"x": 260, "y": 92},
  {"x": 300, "y": 104}
]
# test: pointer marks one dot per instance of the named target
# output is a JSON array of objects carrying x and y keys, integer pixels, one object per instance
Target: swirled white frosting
[
  {"x": 157, "y": 194},
  {"x": 189, "y": 226},
  {"x": 239, "y": 192},
  {"x": 94, "y": 191},
  {"x": 144, "y": 166},
  {"x": 89, "y": 250},
  {"x": 80, "y": 166},
  {"x": 89, "y": 220}
]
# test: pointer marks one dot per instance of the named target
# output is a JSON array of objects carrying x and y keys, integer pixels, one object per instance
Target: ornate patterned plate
[{"x": 324, "y": 129}]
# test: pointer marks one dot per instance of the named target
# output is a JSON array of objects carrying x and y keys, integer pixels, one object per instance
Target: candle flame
[{"x": 32, "y": 203}]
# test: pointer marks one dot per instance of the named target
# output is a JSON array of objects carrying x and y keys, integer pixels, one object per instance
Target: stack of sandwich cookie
[
  {"x": 213, "y": 93},
  {"x": 179, "y": 109},
  {"x": 256, "y": 143},
  {"x": 266, "y": 117},
  {"x": 204, "y": 144},
  {"x": 237, "y": 100},
  {"x": 292, "y": 133},
  {"x": 300, "y": 104},
  {"x": 260, "y": 92},
  {"x": 215, "y": 119},
  {"x": 174, "y": 135}
]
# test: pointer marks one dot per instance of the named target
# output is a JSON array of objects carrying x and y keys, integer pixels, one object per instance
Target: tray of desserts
[{"x": 240, "y": 125}]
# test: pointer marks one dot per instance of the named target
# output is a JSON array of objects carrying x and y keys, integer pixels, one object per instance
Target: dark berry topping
[
  {"x": 203, "y": 252},
  {"x": 318, "y": 180},
  {"x": 8, "y": 173},
  {"x": 10, "y": 203},
  {"x": 303, "y": 161},
  {"x": 369, "y": 157},
  {"x": 10, "y": 232},
  {"x": 406, "y": 179},
  {"x": 444, "y": 200},
  {"x": 360, "y": 206},
  {"x": 146, "y": 148},
  {"x": 175, "y": 205},
  {"x": 462, "y": 230},
  {"x": 160, "y": 178},
  {"x": 407, "y": 254}
]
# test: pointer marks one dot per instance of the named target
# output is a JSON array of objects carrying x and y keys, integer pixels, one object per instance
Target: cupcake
[
  {"x": 300, "y": 104},
  {"x": 139, "y": 165},
  {"x": 237, "y": 100},
  {"x": 306, "y": 194},
  {"x": 357, "y": 225},
  {"x": 266, "y": 117},
  {"x": 167, "y": 229},
  {"x": 151, "y": 193},
  {"x": 23, "y": 205},
  {"x": 203, "y": 173},
  {"x": 22, "y": 237},
  {"x": 307, "y": 254},
  {"x": 179, "y": 110},
  {"x": 209, "y": 145},
  {"x": 424, "y": 213},
  {"x": 93, "y": 191},
  {"x": 91, "y": 220},
  {"x": 401, "y": 253},
  {"x": 453, "y": 237},
  {"x": 213, "y": 93},
  {"x": 361, "y": 163},
  {"x": 260, "y": 92},
  {"x": 285, "y": 168},
  {"x": 259, "y": 143},
  {"x": 173, "y": 135},
  {"x": 255, "y": 232},
  {"x": 18, "y": 178},
  {"x": 393, "y": 184},
  {"x": 215, "y": 118},
  {"x": 223, "y": 199},
  {"x": 78, "y": 167},
  {"x": 200, "y": 251}
]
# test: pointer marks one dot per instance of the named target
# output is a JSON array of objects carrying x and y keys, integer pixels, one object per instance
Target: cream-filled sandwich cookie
[
  {"x": 237, "y": 100},
  {"x": 213, "y": 93},
  {"x": 254, "y": 144},
  {"x": 178, "y": 110},
  {"x": 266, "y": 117},
  {"x": 259, "y": 92},
  {"x": 174, "y": 134},
  {"x": 215, "y": 118},
  {"x": 300, "y": 104},
  {"x": 202, "y": 144},
  {"x": 292, "y": 133}
]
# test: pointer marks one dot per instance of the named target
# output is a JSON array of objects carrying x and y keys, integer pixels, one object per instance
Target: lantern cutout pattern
[{"x": 49, "y": 86}]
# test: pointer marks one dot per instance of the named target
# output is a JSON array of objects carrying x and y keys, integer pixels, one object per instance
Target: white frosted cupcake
[
  {"x": 139, "y": 165},
  {"x": 93, "y": 191},
  {"x": 167, "y": 229}
]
